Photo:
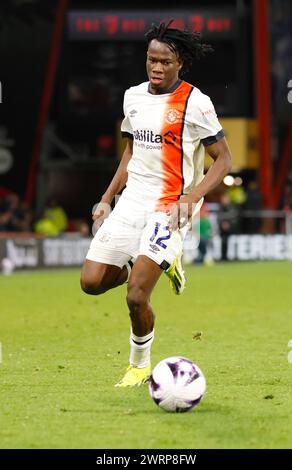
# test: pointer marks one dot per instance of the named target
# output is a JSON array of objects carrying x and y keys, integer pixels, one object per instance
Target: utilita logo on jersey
[{"x": 149, "y": 137}]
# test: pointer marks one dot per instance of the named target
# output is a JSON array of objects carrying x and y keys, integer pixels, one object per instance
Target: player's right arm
[{"x": 117, "y": 184}]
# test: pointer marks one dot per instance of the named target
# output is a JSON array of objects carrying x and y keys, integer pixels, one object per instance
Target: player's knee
[
  {"x": 91, "y": 286},
  {"x": 136, "y": 298}
]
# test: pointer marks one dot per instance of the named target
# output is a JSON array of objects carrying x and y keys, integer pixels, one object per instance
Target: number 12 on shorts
[{"x": 159, "y": 241}]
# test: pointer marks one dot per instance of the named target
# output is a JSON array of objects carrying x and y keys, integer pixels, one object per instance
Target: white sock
[{"x": 140, "y": 347}]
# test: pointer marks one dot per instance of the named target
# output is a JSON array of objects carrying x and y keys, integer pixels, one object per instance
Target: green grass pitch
[{"x": 62, "y": 352}]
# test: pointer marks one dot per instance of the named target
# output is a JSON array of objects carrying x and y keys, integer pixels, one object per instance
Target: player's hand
[
  {"x": 100, "y": 212},
  {"x": 182, "y": 211}
]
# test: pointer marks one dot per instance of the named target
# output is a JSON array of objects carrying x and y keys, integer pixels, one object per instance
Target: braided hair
[{"x": 186, "y": 44}]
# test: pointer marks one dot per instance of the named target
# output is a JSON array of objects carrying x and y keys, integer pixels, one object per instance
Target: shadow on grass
[{"x": 208, "y": 408}]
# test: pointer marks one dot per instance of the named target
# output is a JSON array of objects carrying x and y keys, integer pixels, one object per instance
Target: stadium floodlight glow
[
  {"x": 228, "y": 180},
  {"x": 238, "y": 181}
]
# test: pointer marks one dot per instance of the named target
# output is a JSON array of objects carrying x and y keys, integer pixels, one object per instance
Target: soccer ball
[{"x": 177, "y": 384}]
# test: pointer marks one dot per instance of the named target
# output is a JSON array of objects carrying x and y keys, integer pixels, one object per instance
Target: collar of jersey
[{"x": 167, "y": 92}]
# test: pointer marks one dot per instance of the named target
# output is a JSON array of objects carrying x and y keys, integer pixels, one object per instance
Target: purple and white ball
[{"x": 177, "y": 384}]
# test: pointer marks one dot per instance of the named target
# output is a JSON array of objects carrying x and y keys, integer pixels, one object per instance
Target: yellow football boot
[
  {"x": 176, "y": 276},
  {"x": 135, "y": 376}
]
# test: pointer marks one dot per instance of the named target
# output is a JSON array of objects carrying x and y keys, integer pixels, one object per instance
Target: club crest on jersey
[
  {"x": 104, "y": 237},
  {"x": 172, "y": 116}
]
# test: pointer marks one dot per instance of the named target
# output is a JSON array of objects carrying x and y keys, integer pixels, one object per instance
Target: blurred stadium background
[{"x": 64, "y": 66}]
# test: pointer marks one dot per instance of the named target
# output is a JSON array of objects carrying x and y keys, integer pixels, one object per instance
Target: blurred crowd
[
  {"x": 287, "y": 198},
  {"x": 17, "y": 216},
  {"x": 241, "y": 210},
  {"x": 238, "y": 211}
]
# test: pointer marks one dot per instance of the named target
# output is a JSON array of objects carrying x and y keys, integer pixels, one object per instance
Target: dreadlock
[{"x": 186, "y": 44}]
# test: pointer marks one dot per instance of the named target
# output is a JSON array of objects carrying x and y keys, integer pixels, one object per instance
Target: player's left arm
[
  {"x": 222, "y": 165},
  {"x": 221, "y": 155}
]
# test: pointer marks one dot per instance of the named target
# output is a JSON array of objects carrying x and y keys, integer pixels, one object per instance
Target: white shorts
[{"x": 116, "y": 242}]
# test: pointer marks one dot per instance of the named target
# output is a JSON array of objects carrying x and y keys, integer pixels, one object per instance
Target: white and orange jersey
[{"x": 169, "y": 132}]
